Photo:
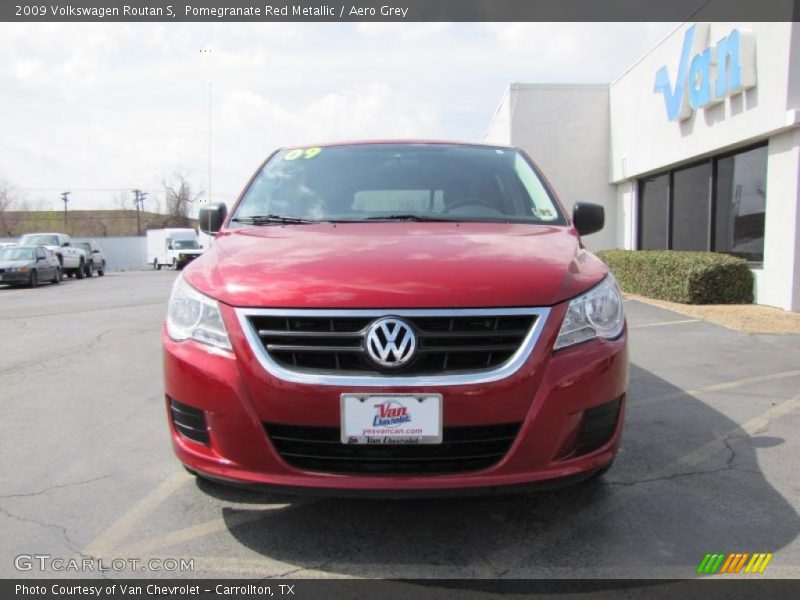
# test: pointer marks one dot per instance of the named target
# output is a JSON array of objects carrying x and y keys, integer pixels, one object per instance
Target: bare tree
[
  {"x": 179, "y": 196},
  {"x": 10, "y": 199},
  {"x": 122, "y": 200}
]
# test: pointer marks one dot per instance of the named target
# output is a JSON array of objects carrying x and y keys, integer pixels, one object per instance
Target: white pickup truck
[{"x": 72, "y": 259}]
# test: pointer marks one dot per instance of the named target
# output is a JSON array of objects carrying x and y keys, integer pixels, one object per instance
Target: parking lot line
[
  {"x": 122, "y": 528},
  {"x": 691, "y": 459},
  {"x": 752, "y": 426},
  {"x": 194, "y": 532},
  {"x": 717, "y": 387},
  {"x": 662, "y": 323}
]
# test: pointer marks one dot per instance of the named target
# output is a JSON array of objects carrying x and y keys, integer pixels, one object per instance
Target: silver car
[{"x": 28, "y": 265}]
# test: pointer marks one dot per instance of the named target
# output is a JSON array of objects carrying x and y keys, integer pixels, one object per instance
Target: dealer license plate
[{"x": 391, "y": 418}]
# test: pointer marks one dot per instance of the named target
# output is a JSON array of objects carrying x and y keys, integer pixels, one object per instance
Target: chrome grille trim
[{"x": 508, "y": 368}]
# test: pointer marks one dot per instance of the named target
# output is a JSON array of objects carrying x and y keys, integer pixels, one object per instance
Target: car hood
[
  {"x": 13, "y": 264},
  {"x": 396, "y": 265}
]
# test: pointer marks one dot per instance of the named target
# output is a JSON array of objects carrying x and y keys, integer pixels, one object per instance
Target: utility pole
[
  {"x": 136, "y": 193},
  {"x": 65, "y": 199},
  {"x": 139, "y": 197}
]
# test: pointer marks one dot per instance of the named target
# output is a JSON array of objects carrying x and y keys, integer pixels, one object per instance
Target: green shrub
[{"x": 685, "y": 277}]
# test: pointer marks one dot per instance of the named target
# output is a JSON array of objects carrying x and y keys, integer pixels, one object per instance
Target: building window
[
  {"x": 716, "y": 204},
  {"x": 654, "y": 212},
  {"x": 741, "y": 202},
  {"x": 691, "y": 207}
]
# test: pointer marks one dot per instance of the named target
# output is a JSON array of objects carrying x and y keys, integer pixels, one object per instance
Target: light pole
[
  {"x": 206, "y": 52},
  {"x": 210, "y": 98}
]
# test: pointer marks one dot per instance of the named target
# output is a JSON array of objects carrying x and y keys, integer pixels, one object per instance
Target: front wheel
[
  {"x": 57, "y": 276},
  {"x": 33, "y": 279},
  {"x": 80, "y": 273},
  {"x": 156, "y": 266},
  {"x": 102, "y": 270},
  {"x": 89, "y": 269}
]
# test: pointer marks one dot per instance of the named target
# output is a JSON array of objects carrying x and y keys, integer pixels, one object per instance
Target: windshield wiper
[
  {"x": 267, "y": 219},
  {"x": 407, "y": 217}
]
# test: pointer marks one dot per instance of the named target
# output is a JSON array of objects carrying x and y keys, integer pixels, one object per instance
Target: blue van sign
[{"x": 706, "y": 75}]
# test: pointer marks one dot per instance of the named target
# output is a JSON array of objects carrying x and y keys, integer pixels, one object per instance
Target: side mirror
[
  {"x": 95, "y": 251},
  {"x": 65, "y": 245},
  {"x": 588, "y": 218},
  {"x": 212, "y": 217}
]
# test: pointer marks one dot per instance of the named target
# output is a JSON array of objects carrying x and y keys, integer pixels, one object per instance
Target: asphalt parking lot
[{"x": 708, "y": 463}]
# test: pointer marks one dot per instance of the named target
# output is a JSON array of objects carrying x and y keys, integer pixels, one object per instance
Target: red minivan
[{"x": 396, "y": 318}]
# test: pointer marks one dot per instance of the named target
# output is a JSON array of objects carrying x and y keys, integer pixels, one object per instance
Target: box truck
[{"x": 172, "y": 247}]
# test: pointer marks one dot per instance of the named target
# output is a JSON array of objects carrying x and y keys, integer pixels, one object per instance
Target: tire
[
  {"x": 156, "y": 266},
  {"x": 80, "y": 272},
  {"x": 102, "y": 270},
  {"x": 57, "y": 277},
  {"x": 89, "y": 269},
  {"x": 33, "y": 280},
  {"x": 175, "y": 264}
]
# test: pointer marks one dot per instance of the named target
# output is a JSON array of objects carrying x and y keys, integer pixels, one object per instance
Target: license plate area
[{"x": 409, "y": 419}]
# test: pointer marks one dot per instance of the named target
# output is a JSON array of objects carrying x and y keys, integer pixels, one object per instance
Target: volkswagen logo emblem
[{"x": 391, "y": 342}]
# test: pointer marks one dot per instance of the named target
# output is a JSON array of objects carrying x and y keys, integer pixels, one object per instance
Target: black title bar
[
  {"x": 419, "y": 589},
  {"x": 397, "y": 10}
]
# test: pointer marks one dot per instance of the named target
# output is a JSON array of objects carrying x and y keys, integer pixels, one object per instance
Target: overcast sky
[{"x": 100, "y": 108}]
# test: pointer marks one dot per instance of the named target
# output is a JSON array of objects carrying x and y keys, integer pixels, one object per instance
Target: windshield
[
  {"x": 39, "y": 240},
  {"x": 17, "y": 254},
  {"x": 375, "y": 181},
  {"x": 185, "y": 244},
  {"x": 83, "y": 246}
]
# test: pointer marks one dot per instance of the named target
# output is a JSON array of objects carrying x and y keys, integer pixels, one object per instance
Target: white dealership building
[{"x": 695, "y": 147}]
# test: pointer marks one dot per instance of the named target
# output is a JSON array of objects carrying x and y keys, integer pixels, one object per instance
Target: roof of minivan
[{"x": 398, "y": 142}]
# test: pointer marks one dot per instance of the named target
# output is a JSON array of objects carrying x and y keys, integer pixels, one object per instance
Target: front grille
[
  {"x": 599, "y": 424},
  {"x": 190, "y": 422},
  {"x": 445, "y": 344},
  {"x": 469, "y": 448}
]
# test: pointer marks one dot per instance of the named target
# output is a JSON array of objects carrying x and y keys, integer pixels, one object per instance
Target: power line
[{"x": 122, "y": 189}]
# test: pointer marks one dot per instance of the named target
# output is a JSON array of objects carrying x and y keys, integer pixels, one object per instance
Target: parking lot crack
[
  {"x": 71, "y": 544},
  {"x": 52, "y": 488}
]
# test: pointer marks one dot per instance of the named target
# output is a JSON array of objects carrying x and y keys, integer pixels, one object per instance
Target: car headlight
[
  {"x": 191, "y": 315},
  {"x": 19, "y": 269},
  {"x": 597, "y": 313}
]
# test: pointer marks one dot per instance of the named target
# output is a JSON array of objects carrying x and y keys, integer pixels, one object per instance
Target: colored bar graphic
[
  {"x": 734, "y": 562},
  {"x": 741, "y": 562}
]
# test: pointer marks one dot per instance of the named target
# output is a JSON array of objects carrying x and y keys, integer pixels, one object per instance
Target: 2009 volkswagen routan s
[{"x": 396, "y": 318}]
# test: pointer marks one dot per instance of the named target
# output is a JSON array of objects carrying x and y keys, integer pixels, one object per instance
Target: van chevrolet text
[{"x": 396, "y": 318}]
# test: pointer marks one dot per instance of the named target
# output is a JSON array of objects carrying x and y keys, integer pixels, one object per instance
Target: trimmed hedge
[{"x": 685, "y": 277}]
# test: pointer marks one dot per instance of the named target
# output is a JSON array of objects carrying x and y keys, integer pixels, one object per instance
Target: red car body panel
[{"x": 397, "y": 265}]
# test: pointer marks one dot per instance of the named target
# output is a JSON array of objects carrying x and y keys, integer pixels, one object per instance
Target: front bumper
[
  {"x": 15, "y": 278},
  {"x": 552, "y": 397}
]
